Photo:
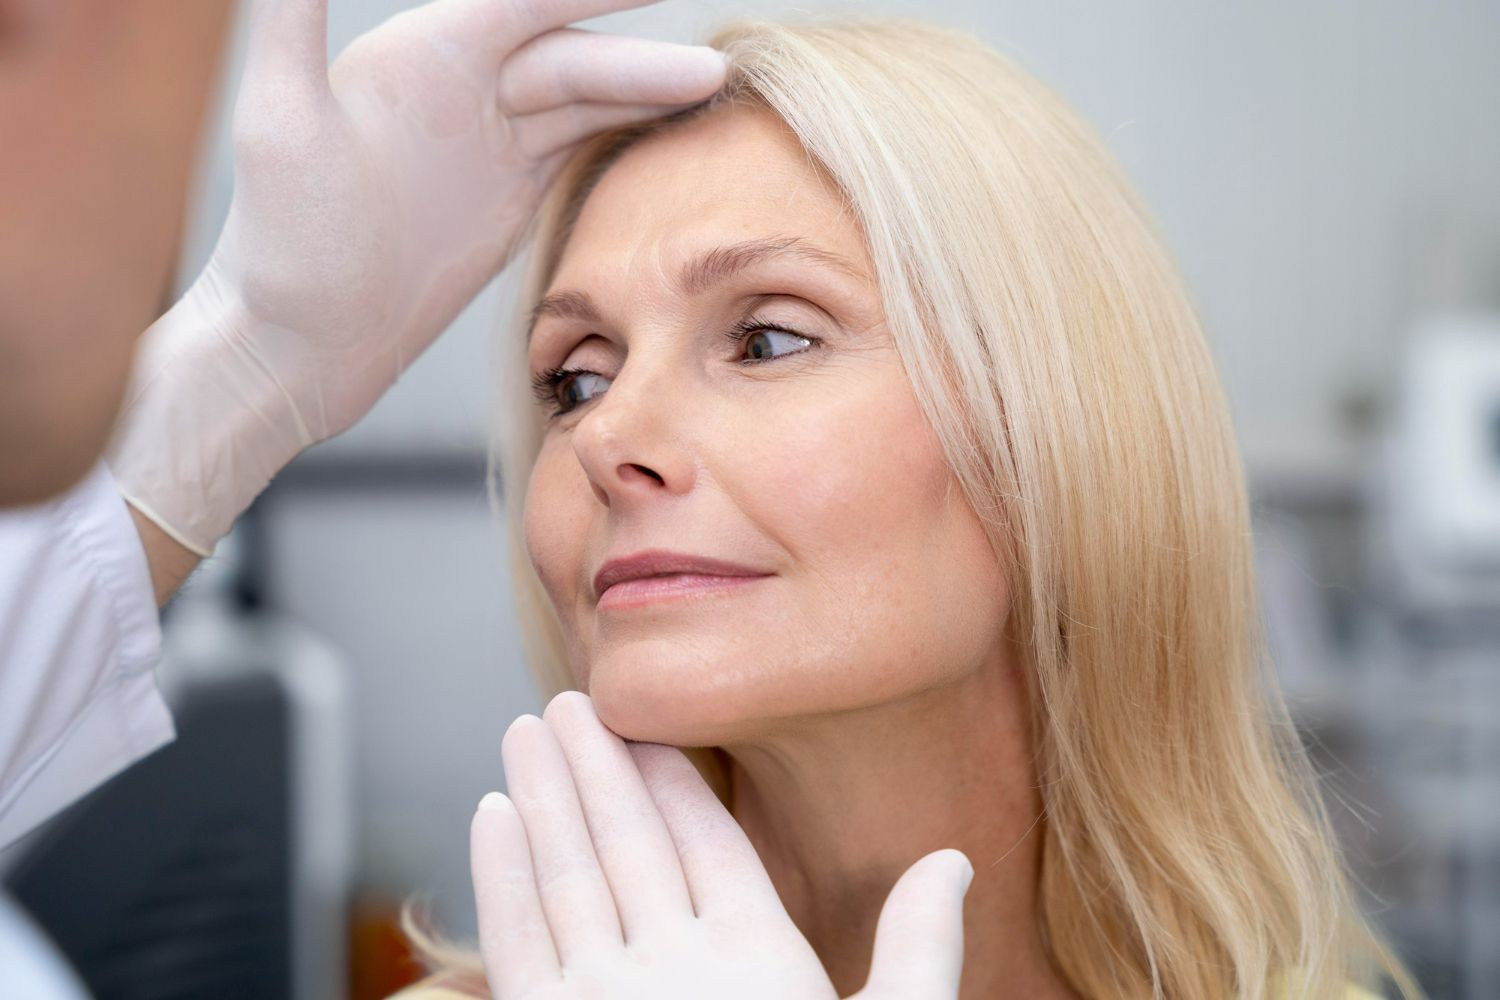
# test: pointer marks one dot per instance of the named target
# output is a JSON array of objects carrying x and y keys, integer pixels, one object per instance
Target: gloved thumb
[
  {"x": 919, "y": 939},
  {"x": 288, "y": 41}
]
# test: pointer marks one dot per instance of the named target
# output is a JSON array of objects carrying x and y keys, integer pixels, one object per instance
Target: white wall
[
  {"x": 1312, "y": 165},
  {"x": 411, "y": 587}
]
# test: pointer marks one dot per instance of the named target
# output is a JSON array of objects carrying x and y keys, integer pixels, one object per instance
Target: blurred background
[{"x": 1328, "y": 177}]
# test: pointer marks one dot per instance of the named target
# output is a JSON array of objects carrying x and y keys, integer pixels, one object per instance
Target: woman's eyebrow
[{"x": 703, "y": 272}]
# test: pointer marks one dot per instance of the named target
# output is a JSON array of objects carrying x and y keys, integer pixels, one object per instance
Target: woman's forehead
[
  {"x": 728, "y": 177},
  {"x": 730, "y": 192}
]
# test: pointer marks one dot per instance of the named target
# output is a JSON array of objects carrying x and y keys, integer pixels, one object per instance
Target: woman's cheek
[
  {"x": 865, "y": 470},
  {"x": 550, "y": 535},
  {"x": 814, "y": 456}
]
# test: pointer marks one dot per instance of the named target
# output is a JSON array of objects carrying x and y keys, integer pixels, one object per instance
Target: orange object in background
[{"x": 381, "y": 959}]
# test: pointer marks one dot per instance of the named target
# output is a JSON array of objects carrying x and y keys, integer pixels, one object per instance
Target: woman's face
[{"x": 745, "y": 404}]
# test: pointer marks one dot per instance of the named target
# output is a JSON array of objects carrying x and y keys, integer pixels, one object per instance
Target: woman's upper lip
[{"x": 661, "y": 562}]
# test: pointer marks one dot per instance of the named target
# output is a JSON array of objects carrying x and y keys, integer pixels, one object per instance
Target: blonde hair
[{"x": 1055, "y": 352}]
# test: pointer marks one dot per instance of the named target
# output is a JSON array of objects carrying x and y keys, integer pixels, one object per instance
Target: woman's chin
[{"x": 664, "y": 696}]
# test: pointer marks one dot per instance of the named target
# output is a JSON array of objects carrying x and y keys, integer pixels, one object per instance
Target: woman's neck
[{"x": 838, "y": 807}]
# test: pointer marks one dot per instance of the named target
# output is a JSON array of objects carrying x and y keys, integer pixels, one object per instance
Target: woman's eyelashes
[
  {"x": 748, "y": 330},
  {"x": 565, "y": 389}
]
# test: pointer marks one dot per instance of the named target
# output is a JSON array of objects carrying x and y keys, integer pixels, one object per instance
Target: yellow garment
[{"x": 427, "y": 990}]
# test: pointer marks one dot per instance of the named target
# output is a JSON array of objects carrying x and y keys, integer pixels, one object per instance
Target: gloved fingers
[
  {"x": 634, "y": 847},
  {"x": 574, "y": 893},
  {"x": 288, "y": 42},
  {"x": 570, "y": 64},
  {"x": 514, "y": 940},
  {"x": 507, "y": 24},
  {"x": 725, "y": 875},
  {"x": 546, "y": 132},
  {"x": 919, "y": 938}
]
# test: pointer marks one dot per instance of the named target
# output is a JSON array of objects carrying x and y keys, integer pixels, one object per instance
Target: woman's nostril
[{"x": 648, "y": 472}]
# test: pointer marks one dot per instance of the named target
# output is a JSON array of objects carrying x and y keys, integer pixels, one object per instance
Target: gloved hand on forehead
[{"x": 372, "y": 201}]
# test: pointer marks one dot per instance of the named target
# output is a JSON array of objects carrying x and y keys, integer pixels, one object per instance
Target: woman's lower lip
[{"x": 652, "y": 589}]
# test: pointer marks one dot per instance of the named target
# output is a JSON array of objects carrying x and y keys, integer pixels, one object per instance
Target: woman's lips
[
  {"x": 652, "y": 575},
  {"x": 654, "y": 589}
]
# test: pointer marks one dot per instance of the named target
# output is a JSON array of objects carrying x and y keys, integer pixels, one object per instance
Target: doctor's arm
[
  {"x": 170, "y": 561},
  {"x": 373, "y": 199}
]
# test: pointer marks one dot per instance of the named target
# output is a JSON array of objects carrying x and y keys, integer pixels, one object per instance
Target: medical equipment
[
  {"x": 1439, "y": 505},
  {"x": 1428, "y": 656}
]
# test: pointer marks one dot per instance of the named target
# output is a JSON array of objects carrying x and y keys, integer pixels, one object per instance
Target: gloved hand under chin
[
  {"x": 612, "y": 870},
  {"x": 372, "y": 201}
]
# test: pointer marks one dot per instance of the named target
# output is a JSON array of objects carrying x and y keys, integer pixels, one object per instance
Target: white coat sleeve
[{"x": 79, "y": 643}]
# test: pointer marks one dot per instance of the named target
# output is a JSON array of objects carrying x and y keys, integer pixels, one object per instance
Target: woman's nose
[{"x": 631, "y": 446}]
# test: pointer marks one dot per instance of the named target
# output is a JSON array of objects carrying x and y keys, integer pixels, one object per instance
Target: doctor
[{"x": 373, "y": 199}]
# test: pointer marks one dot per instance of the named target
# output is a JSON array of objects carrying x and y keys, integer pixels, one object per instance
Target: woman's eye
[
  {"x": 760, "y": 345},
  {"x": 566, "y": 388},
  {"x": 575, "y": 389}
]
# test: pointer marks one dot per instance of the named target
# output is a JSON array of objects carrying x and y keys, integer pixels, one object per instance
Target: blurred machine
[
  {"x": 1439, "y": 498},
  {"x": 1382, "y": 603},
  {"x": 1430, "y": 653}
]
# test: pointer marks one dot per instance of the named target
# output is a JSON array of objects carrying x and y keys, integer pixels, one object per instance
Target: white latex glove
[
  {"x": 603, "y": 843},
  {"x": 372, "y": 201}
]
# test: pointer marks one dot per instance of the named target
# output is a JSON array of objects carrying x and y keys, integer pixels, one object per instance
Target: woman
[{"x": 883, "y": 329}]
